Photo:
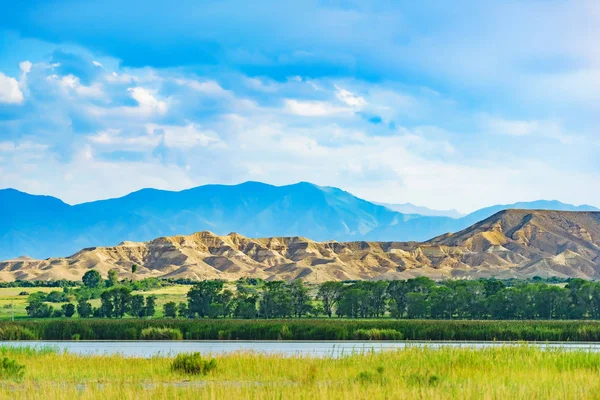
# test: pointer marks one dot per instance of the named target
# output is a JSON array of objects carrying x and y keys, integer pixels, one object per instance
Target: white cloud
[
  {"x": 350, "y": 98},
  {"x": 72, "y": 83},
  {"x": 146, "y": 100},
  {"x": 313, "y": 108},
  {"x": 96, "y": 63},
  {"x": 208, "y": 87},
  {"x": 114, "y": 138},
  {"x": 10, "y": 92},
  {"x": 25, "y": 66},
  {"x": 184, "y": 137},
  {"x": 543, "y": 128}
]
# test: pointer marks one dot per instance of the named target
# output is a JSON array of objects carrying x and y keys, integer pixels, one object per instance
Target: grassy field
[
  {"x": 10, "y": 297},
  {"x": 449, "y": 373}
]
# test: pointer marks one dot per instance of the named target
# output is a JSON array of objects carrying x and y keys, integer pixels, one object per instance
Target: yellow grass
[{"x": 496, "y": 373}]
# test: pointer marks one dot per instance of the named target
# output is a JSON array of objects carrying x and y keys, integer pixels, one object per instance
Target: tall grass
[
  {"x": 516, "y": 372},
  {"x": 305, "y": 329}
]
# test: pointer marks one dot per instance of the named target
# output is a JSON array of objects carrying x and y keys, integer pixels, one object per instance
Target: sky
[{"x": 460, "y": 104}]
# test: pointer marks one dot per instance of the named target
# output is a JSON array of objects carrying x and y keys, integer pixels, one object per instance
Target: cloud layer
[{"x": 447, "y": 107}]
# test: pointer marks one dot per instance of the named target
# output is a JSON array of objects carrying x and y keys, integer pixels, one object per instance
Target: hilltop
[{"x": 511, "y": 243}]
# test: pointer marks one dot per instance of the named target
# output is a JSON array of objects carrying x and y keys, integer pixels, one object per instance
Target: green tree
[
  {"x": 330, "y": 294},
  {"x": 355, "y": 303},
  {"x": 301, "y": 301},
  {"x": 113, "y": 278},
  {"x": 137, "y": 306},
  {"x": 150, "y": 306},
  {"x": 182, "y": 310},
  {"x": 68, "y": 310},
  {"x": 92, "y": 279},
  {"x": 134, "y": 269},
  {"x": 115, "y": 302},
  {"x": 276, "y": 300},
  {"x": 37, "y": 308},
  {"x": 417, "y": 305},
  {"x": 84, "y": 308},
  {"x": 398, "y": 290},
  {"x": 56, "y": 297},
  {"x": 204, "y": 297},
  {"x": 170, "y": 309}
]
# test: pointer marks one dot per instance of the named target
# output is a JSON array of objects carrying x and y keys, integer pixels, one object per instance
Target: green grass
[
  {"x": 307, "y": 329},
  {"x": 413, "y": 373}
]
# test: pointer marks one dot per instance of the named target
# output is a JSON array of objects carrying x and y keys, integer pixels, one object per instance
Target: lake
[{"x": 287, "y": 348}]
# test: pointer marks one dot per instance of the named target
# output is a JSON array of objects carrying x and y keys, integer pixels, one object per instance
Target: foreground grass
[{"x": 497, "y": 373}]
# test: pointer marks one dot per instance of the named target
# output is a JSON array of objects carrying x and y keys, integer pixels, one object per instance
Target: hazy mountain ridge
[
  {"x": 512, "y": 243},
  {"x": 409, "y": 208},
  {"x": 42, "y": 226}
]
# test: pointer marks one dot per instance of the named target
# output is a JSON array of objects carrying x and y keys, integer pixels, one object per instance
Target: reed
[{"x": 303, "y": 329}]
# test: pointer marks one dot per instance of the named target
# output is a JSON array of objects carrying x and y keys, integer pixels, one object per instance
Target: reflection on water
[{"x": 288, "y": 348}]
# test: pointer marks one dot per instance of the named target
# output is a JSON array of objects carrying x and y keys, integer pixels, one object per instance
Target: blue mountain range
[{"x": 43, "y": 226}]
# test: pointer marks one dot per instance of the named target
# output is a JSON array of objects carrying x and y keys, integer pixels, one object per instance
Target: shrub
[
  {"x": 193, "y": 364},
  {"x": 15, "y": 332},
  {"x": 378, "y": 334},
  {"x": 24, "y": 293},
  {"x": 155, "y": 333},
  {"x": 285, "y": 333},
  {"x": 10, "y": 369},
  {"x": 423, "y": 380}
]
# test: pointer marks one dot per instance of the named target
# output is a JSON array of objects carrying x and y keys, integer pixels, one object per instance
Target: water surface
[{"x": 287, "y": 348}]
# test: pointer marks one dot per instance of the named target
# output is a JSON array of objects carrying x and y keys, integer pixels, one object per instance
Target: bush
[
  {"x": 10, "y": 369},
  {"x": 155, "y": 333},
  {"x": 193, "y": 364},
  {"x": 15, "y": 332},
  {"x": 378, "y": 334},
  {"x": 24, "y": 293}
]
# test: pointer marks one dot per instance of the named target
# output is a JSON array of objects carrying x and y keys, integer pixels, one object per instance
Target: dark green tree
[
  {"x": 417, "y": 305},
  {"x": 68, "y": 310},
  {"x": 84, "y": 308},
  {"x": 170, "y": 309},
  {"x": 150, "y": 306},
  {"x": 137, "y": 306},
  {"x": 182, "y": 310},
  {"x": 92, "y": 279},
  {"x": 330, "y": 294}
]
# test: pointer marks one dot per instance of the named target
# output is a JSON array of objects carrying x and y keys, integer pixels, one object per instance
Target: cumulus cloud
[
  {"x": 10, "y": 93},
  {"x": 25, "y": 66},
  {"x": 148, "y": 103}
]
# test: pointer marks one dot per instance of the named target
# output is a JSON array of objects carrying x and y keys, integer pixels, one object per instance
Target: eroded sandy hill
[{"x": 512, "y": 243}]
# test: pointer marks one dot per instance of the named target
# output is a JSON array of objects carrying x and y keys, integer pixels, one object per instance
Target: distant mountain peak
[{"x": 43, "y": 226}]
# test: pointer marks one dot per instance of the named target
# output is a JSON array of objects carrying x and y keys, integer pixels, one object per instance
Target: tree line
[
  {"x": 419, "y": 298},
  {"x": 249, "y": 298},
  {"x": 116, "y": 298}
]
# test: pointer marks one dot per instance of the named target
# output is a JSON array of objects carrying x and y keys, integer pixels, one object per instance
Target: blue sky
[{"x": 444, "y": 104}]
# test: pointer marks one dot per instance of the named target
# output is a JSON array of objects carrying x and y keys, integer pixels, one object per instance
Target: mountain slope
[
  {"x": 512, "y": 243},
  {"x": 254, "y": 209},
  {"x": 41, "y": 226}
]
